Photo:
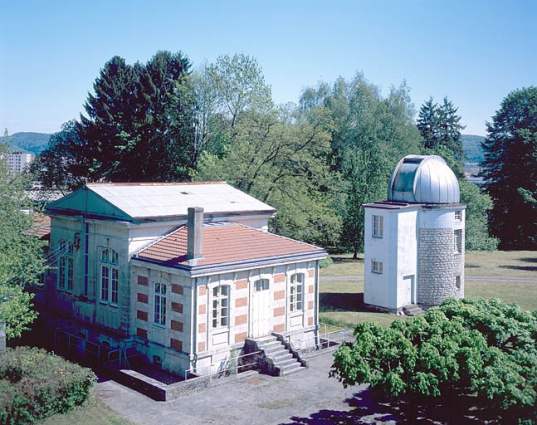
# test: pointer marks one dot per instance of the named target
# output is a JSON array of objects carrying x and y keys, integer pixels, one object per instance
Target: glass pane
[
  {"x": 224, "y": 321},
  {"x": 163, "y": 289},
  {"x": 157, "y": 287},
  {"x": 215, "y": 323},
  {"x": 114, "y": 257},
  {"x": 224, "y": 290}
]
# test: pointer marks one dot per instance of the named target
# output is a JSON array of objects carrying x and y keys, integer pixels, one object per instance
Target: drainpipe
[
  {"x": 193, "y": 321},
  {"x": 316, "y": 310}
]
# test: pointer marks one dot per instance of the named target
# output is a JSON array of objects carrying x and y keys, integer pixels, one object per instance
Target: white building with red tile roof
[{"x": 184, "y": 273}]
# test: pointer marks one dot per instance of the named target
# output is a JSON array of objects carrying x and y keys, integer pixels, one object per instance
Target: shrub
[
  {"x": 35, "y": 384},
  {"x": 326, "y": 262}
]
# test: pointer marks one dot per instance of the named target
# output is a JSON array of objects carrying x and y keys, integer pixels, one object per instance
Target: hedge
[{"x": 35, "y": 384}]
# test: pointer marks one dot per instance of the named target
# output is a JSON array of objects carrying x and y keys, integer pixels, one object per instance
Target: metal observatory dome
[{"x": 423, "y": 179}]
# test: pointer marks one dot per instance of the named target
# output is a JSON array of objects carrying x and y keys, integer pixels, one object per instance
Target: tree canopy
[
  {"x": 510, "y": 170},
  {"x": 21, "y": 255},
  {"x": 138, "y": 127},
  {"x": 470, "y": 347}
]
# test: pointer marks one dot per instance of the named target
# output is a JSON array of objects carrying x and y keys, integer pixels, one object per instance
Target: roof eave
[{"x": 211, "y": 269}]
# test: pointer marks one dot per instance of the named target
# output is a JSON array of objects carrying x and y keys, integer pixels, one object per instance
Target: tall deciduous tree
[
  {"x": 510, "y": 170},
  {"x": 369, "y": 135},
  {"x": 21, "y": 255}
]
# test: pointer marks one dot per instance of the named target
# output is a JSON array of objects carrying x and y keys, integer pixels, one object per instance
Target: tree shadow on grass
[
  {"x": 529, "y": 260},
  {"x": 522, "y": 268},
  {"x": 334, "y": 301}
]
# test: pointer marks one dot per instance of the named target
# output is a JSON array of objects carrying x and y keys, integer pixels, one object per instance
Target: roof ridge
[{"x": 154, "y": 183}]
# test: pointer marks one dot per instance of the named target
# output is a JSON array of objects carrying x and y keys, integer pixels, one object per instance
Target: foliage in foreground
[
  {"x": 21, "y": 256},
  {"x": 35, "y": 384},
  {"x": 473, "y": 347}
]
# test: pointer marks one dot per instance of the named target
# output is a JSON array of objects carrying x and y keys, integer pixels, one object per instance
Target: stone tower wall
[{"x": 439, "y": 266}]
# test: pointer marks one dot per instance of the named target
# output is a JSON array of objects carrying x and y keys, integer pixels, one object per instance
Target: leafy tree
[
  {"x": 440, "y": 126},
  {"x": 510, "y": 170},
  {"x": 280, "y": 159},
  {"x": 369, "y": 135},
  {"x": 21, "y": 259},
  {"x": 463, "y": 347},
  {"x": 65, "y": 163},
  {"x": 477, "y": 236}
]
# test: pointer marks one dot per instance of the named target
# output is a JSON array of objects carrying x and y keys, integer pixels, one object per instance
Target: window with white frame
[
  {"x": 296, "y": 290},
  {"x": 220, "y": 306},
  {"x": 378, "y": 226},
  {"x": 261, "y": 285},
  {"x": 65, "y": 266},
  {"x": 377, "y": 266},
  {"x": 458, "y": 241},
  {"x": 109, "y": 276},
  {"x": 458, "y": 215},
  {"x": 160, "y": 304}
]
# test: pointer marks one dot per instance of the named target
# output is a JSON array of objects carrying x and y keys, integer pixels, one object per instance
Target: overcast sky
[{"x": 473, "y": 52}]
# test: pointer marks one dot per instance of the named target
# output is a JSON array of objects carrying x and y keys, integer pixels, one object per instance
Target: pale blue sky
[{"x": 474, "y": 52}]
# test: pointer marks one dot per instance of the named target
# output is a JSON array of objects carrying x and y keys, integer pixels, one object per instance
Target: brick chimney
[{"x": 195, "y": 233}]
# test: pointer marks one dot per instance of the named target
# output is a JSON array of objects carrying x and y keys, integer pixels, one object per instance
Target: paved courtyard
[{"x": 306, "y": 397}]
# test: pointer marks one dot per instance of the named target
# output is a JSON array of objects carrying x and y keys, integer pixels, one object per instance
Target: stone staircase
[
  {"x": 278, "y": 359},
  {"x": 412, "y": 310}
]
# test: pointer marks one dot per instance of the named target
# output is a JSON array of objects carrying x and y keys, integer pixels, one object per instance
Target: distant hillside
[
  {"x": 472, "y": 147},
  {"x": 33, "y": 142}
]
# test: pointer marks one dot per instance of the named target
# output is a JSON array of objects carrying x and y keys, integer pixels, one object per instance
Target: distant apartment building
[{"x": 18, "y": 159}]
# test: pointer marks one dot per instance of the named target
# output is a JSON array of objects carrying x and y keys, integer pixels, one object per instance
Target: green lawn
[
  {"x": 341, "y": 302},
  {"x": 93, "y": 412}
]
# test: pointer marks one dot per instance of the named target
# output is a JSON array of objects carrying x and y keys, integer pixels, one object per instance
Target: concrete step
[
  {"x": 266, "y": 340},
  {"x": 279, "y": 357},
  {"x": 287, "y": 362},
  {"x": 412, "y": 310},
  {"x": 292, "y": 368}
]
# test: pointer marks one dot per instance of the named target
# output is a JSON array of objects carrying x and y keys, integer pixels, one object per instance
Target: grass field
[{"x": 341, "y": 302}]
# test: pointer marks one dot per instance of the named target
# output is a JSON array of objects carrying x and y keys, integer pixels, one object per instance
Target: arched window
[
  {"x": 109, "y": 276},
  {"x": 296, "y": 289},
  {"x": 65, "y": 266}
]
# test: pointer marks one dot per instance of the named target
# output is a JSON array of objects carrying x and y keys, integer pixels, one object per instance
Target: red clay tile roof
[
  {"x": 41, "y": 227},
  {"x": 228, "y": 243}
]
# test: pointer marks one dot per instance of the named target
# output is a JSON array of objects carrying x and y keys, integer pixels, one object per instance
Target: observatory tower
[{"x": 414, "y": 241}]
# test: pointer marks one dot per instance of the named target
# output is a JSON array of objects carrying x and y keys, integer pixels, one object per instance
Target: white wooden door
[
  {"x": 261, "y": 308},
  {"x": 407, "y": 291}
]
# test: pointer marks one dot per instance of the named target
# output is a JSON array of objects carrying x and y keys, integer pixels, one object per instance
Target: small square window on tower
[
  {"x": 458, "y": 215},
  {"x": 376, "y": 266},
  {"x": 378, "y": 226}
]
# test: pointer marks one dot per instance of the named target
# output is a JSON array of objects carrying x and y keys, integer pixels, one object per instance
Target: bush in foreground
[
  {"x": 484, "y": 349},
  {"x": 35, "y": 384}
]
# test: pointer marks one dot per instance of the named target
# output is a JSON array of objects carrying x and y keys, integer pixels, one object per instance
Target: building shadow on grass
[
  {"x": 529, "y": 260},
  {"x": 346, "y": 260},
  {"x": 335, "y": 301}
]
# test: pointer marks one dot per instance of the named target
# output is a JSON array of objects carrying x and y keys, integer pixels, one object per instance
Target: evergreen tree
[
  {"x": 440, "y": 126},
  {"x": 139, "y": 127},
  {"x": 510, "y": 170}
]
